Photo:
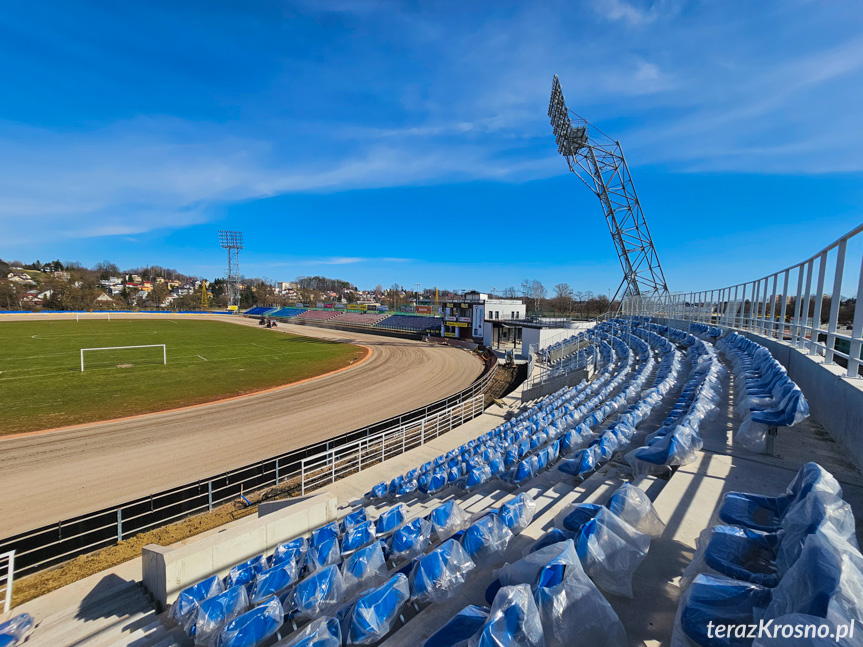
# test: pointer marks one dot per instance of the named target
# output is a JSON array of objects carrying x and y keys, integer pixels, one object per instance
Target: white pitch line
[
  {"x": 203, "y": 358},
  {"x": 172, "y": 321}
]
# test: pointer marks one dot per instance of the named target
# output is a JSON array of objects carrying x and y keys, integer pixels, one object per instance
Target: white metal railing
[
  {"x": 7, "y": 578},
  {"x": 338, "y": 462},
  {"x": 800, "y": 305}
]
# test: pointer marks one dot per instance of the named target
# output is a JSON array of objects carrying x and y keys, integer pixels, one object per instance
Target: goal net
[{"x": 123, "y": 356}]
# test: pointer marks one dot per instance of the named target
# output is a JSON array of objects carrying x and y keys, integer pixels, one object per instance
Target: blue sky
[{"x": 408, "y": 142}]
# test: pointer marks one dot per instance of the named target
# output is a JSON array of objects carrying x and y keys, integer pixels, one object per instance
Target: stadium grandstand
[
  {"x": 318, "y": 315},
  {"x": 409, "y": 323}
]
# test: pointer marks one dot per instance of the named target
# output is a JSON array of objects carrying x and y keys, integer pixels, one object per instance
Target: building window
[{"x": 496, "y": 314}]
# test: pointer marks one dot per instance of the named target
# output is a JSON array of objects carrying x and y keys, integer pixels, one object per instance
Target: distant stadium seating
[
  {"x": 287, "y": 312},
  {"x": 318, "y": 315},
  {"x": 363, "y": 319},
  {"x": 260, "y": 310},
  {"x": 410, "y": 323}
]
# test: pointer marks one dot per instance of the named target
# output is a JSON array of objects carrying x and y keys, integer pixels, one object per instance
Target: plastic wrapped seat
[
  {"x": 672, "y": 450},
  {"x": 274, "y": 581},
  {"x": 476, "y": 476},
  {"x": 553, "y": 536},
  {"x": 14, "y": 630},
  {"x": 486, "y": 538},
  {"x": 190, "y": 597},
  {"x": 320, "y": 593},
  {"x": 571, "y": 608},
  {"x": 295, "y": 549},
  {"x": 352, "y": 519},
  {"x": 357, "y": 537},
  {"x": 245, "y": 573},
  {"x": 364, "y": 569},
  {"x": 212, "y": 614},
  {"x": 721, "y": 601},
  {"x": 583, "y": 462},
  {"x": 517, "y": 513},
  {"x": 752, "y": 433},
  {"x": 432, "y": 483},
  {"x": 410, "y": 540},
  {"x": 390, "y": 520},
  {"x": 447, "y": 519},
  {"x": 610, "y": 551},
  {"x": 374, "y": 613},
  {"x": 765, "y": 513},
  {"x": 460, "y": 628},
  {"x": 579, "y": 515},
  {"x": 324, "y": 533},
  {"x": 513, "y": 621},
  {"x": 378, "y": 492},
  {"x": 323, "y": 553},
  {"x": 253, "y": 627},
  {"x": 634, "y": 506},
  {"x": 323, "y": 632},
  {"x": 441, "y": 573}
]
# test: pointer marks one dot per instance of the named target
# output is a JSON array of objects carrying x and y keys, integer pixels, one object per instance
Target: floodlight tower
[
  {"x": 233, "y": 242},
  {"x": 598, "y": 162}
]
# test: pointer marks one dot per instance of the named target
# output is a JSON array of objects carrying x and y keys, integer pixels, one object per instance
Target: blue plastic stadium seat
[
  {"x": 410, "y": 540},
  {"x": 517, "y": 513},
  {"x": 322, "y": 632},
  {"x": 581, "y": 513},
  {"x": 324, "y": 533},
  {"x": 14, "y": 630},
  {"x": 553, "y": 536},
  {"x": 291, "y": 550},
  {"x": 357, "y": 537},
  {"x": 189, "y": 598},
  {"x": 379, "y": 491},
  {"x": 634, "y": 506},
  {"x": 319, "y": 593},
  {"x": 461, "y": 627},
  {"x": 720, "y": 600},
  {"x": 323, "y": 553},
  {"x": 432, "y": 483},
  {"x": 253, "y": 627},
  {"x": 610, "y": 551},
  {"x": 365, "y": 568},
  {"x": 766, "y": 513},
  {"x": 447, "y": 519},
  {"x": 440, "y": 574},
  {"x": 582, "y": 463},
  {"x": 374, "y": 613},
  {"x": 212, "y": 614},
  {"x": 245, "y": 573},
  {"x": 390, "y": 520},
  {"x": 354, "y": 518},
  {"x": 513, "y": 620},
  {"x": 486, "y": 538},
  {"x": 274, "y": 581}
]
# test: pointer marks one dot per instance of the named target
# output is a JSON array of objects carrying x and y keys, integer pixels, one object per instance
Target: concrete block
[{"x": 168, "y": 570}]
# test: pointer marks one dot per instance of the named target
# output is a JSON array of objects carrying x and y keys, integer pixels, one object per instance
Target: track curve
[{"x": 64, "y": 473}]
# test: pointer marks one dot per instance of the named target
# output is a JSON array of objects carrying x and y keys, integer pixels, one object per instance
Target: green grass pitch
[{"x": 42, "y": 386}]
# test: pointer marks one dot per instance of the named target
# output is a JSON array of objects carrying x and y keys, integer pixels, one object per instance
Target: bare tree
[
  {"x": 537, "y": 292},
  {"x": 563, "y": 298}
]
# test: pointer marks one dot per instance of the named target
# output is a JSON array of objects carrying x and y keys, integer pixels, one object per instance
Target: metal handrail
[{"x": 8, "y": 578}]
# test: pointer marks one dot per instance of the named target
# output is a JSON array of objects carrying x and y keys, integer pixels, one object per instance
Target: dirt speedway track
[{"x": 57, "y": 475}]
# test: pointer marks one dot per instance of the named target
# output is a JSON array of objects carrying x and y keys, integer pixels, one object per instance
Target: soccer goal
[{"x": 116, "y": 355}]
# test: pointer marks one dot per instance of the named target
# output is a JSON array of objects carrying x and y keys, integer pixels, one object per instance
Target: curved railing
[{"x": 801, "y": 304}]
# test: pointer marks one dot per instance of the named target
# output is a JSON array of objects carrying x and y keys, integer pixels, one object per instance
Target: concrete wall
[
  {"x": 547, "y": 388},
  {"x": 166, "y": 571},
  {"x": 836, "y": 401}
]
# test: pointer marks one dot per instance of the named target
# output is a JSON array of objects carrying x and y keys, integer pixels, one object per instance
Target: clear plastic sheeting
[
  {"x": 364, "y": 569},
  {"x": 447, "y": 519},
  {"x": 212, "y": 614},
  {"x": 634, "y": 506},
  {"x": 320, "y": 593},
  {"x": 358, "y": 536},
  {"x": 571, "y": 608},
  {"x": 438, "y": 576},
  {"x": 245, "y": 573},
  {"x": 517, "y": 513},
  {"x": 766, "y": 513},
  {"x": 513, "y": 621},
  {"x": 717, "y": 600},
  {"x": 295, "y": 549},
  {"x": 274, "y": 581},
  {"x": 190, "y": 597},
  {"x": 253, "y": 627},
  {"x": 374, "y": 614},
  {"x": 323, "y": 632},
  {"x": 390, "y": 520},
  {"x": 460, "y": 628},
  {"x": 15, "y": 630},
  {"x": 813, "y": 513},
  {"x": 486, "y": 538},
  {"x": 610, "y": 551},
  {"x": 826, "y": 581},
  {"x": 675, "y": 449},
  {"x": 354, "y": 518},
  {"x": 410, "y": 540},
  {"x": 323, "y": 553}
]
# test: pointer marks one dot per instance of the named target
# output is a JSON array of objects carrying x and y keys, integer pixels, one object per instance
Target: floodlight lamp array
[
  {"x": 231, "y": 239},
  {"x": 570, "y": 139}
]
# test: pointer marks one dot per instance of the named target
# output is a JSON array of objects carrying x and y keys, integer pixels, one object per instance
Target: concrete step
[
  {"x": 101, "y": 603},
  {"x": 128, "y": 626},
  {"x": 112, "y": 618},
  {"x": 147, "y": 635}
]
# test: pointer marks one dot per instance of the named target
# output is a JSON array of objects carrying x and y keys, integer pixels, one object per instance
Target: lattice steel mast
[
  {"x": 233, "y": 242},
  {"x": 598, "y": 161}
]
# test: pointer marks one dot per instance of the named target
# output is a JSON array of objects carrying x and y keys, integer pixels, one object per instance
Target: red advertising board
[{"x": 424, "y": 310}]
